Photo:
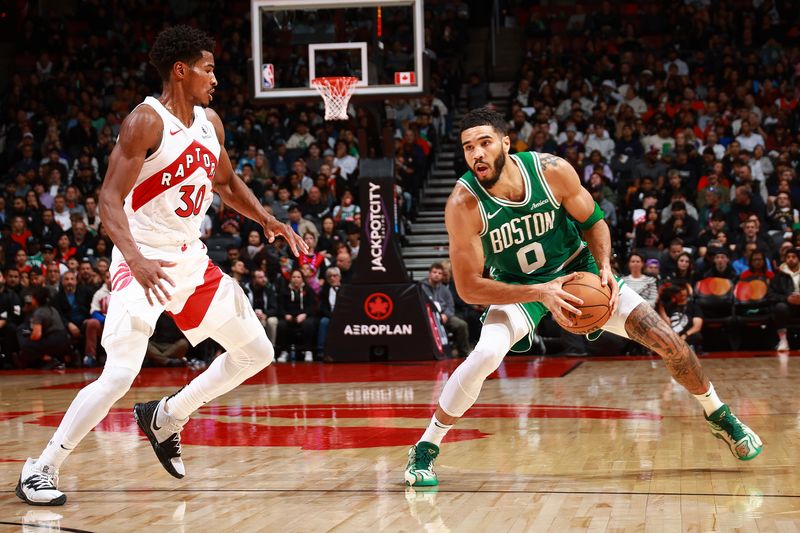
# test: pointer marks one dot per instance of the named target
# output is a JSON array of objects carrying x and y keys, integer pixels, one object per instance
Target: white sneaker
[
  {"x": 283, "y": 357},
  {"x": 38, "y": 484},
  {"x": 309, "y": 356},
  {"x": 783, "y": 345}
]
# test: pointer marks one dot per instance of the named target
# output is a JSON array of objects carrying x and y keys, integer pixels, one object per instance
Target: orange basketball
[{"x": 595, "y": 308}]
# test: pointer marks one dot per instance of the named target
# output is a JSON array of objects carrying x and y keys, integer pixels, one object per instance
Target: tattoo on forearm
[
  {"x": 548, "y": 160},
  {"x": 647, "y": 328}
]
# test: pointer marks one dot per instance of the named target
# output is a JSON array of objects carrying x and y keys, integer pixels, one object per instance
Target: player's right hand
[
  {"x": 556, "y": 299},
  {"x": 149, "y": 273}
]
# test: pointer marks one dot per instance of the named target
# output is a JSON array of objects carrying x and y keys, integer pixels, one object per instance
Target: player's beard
[{"x": 499, "y": 163}]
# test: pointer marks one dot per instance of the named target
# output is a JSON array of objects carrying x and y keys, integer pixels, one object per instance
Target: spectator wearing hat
[
  {"x": 230, "y": 227},
  {"x": 720, "y": 264},
  {"x": 680, "y": 226},
  {"x": 34, "y": 252},
  {"x": 652, "y": 267},
  {"x": 715, "y": 226},
  {"x": 784, "y": 292}
]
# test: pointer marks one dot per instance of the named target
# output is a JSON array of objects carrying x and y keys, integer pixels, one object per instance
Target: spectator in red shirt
[
  {"x": 20, "y": 231},
  {"x": 757, "y": 267}
]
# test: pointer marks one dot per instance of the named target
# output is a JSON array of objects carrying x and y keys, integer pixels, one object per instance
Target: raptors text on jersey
[{"x": 172, "y": 193}]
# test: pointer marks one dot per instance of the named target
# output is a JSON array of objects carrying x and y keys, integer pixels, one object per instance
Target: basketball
[{"x": 595, "y": 308}]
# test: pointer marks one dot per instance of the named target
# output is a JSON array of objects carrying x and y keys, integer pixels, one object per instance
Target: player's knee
[
  {"x": 485, "y": 361},
  {"x": 116, "y": 381},
  {"x": 258, "y": 353}
]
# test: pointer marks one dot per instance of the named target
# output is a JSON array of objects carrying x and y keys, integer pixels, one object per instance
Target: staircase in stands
[{"x": 427, "y": 242}]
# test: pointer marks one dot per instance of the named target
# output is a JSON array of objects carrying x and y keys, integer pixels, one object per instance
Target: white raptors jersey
[{"x": 173, "y": 190}]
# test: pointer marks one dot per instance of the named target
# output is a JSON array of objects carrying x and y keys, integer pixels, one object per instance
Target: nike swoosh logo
[
  {"x": 63, "y": 448},
  {"x": 438, "y": 425},
  {"x": 174, "y": 132},
  {"x": 492, "y": 215},
  {"x": 153, "y": 425}
]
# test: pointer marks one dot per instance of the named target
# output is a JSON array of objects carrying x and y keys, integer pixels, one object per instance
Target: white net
[{"x": 336, "y": 93}]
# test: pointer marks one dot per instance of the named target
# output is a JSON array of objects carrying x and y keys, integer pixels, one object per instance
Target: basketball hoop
[{"x": 336, "y": 92}]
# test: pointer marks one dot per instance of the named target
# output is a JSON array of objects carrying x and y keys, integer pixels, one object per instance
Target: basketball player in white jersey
[{"x": 166, "y": 163}]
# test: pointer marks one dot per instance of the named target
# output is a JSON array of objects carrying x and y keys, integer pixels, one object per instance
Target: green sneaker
[
  {"x": 742, "y": 441},
  {"x": 419, "y": 470}
]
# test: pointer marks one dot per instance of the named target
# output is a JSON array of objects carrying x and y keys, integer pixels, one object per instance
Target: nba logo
[{"x": 267, "y": 76}]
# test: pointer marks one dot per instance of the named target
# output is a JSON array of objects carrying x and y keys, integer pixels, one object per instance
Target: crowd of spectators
[
  {"x": 680, "y": 118},
  {"x": 682, "y": 121},
  {"x": 75, "y": 78}
]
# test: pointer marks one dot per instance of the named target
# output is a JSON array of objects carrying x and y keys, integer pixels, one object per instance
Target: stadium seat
[
  {"x": 753, "y": 312},
  {"x": 715, "y": 298}
]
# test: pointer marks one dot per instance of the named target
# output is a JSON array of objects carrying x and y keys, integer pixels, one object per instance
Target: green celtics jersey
[{"x": 530, "y": 241}]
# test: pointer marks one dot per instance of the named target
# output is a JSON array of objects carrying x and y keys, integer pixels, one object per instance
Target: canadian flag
[{"x": 405, "y": 78}]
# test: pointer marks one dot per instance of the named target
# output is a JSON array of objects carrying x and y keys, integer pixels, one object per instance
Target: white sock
[
  {"x": 90, "y": 406},
  {"x": 435, "y": 432},
  {"x": 710, "y": 401},
  {"x": 782, "y": 334}
]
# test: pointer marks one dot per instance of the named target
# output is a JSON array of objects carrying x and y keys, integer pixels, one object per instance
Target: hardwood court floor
[{"x": 554, "y": 444}]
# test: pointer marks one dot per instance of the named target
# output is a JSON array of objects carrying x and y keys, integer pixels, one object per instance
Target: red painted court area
[{"x": 250, "y": 425}]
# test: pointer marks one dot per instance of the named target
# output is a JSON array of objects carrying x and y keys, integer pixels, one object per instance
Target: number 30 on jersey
[{"x": 192, "y": 198}]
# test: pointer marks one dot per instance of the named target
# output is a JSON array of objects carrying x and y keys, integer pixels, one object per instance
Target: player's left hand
[
  {"x": 272, "y": 228},
  {"x": 607, "y": 279}
]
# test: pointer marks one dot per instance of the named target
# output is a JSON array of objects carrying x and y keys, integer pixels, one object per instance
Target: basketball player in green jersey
[{"x": 519, "y": 215}]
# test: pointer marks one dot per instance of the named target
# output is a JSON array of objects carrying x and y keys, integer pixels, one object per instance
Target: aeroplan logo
[{"x": 378, "y": 306}]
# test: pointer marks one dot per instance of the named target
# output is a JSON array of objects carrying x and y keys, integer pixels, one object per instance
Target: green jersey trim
[
  {"x": 543, "y": 180},
  {"x": 525, "y": 182},
  {"x": 484, "y": 220}
]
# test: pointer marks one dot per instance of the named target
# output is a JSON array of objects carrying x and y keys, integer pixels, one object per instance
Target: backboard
[{"x": 378, "y": 41}]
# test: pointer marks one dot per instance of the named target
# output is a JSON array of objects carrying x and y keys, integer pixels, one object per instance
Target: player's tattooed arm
[
  {"x": 550, "y": 161},
  {"x": 647, "y": 328}
]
